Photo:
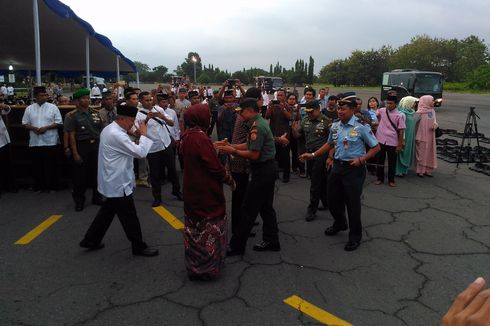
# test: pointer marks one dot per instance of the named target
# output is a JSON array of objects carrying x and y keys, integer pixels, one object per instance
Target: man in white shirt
[
  {"x": 3, "y": 90},
  {"x": 6, "y": 172},
  {"x": 161, "y": 153},
  {"x": 115, "y": 180},
  {"x": 42, "y": 119},
  {"x": 163, "y": 102},
  {"x": 95, "y": 92}
]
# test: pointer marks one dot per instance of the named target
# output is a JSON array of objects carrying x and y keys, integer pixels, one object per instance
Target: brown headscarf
[{"x": 198, "y": 115}]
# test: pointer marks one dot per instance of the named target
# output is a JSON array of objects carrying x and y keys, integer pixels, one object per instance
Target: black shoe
[
  {"x": 91, "y": 245},
  {"x": 147, "y": 252},
  {"x": 322, "y": 208},
  {"x": 234, "y": 252},
  {"x": 78, "y": 207},
  {"x": 178, "y": 195},
  {"x": 333, "y": 230},
  {"x": 285, "y": 179},
  {"x": 156, "y": 203},
  {"x": 267, "y": 246},
  {"x": 310, "y": 217},
  {"x": 352, "y": 245}
]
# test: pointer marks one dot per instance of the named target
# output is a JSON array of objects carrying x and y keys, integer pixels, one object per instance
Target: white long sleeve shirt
[
  {"x": 42, "y": 116},
  {"x": 4, "y": 134},
  {"x": 157, "y": 132},
  {"x": 175, "y": 129},
  {"x": 115, "y": 177}
]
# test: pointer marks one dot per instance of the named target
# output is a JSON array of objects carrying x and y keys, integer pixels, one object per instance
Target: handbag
[{"x": 438, "y": 132}]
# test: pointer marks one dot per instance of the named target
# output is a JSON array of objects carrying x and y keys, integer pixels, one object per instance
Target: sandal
[{"x": 378, "y": 182}]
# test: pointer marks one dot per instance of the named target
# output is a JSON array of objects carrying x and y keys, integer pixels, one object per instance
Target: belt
[{"x": 341, "y": 162}]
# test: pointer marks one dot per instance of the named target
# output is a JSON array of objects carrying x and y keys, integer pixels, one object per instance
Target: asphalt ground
[{"x": 424, "y": 241}]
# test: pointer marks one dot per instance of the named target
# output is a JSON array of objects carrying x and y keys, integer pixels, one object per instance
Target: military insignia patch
[{"x": 353, "y": 132}]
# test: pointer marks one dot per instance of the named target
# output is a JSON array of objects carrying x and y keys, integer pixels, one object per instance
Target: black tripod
[{"x": 470, "y": 131}]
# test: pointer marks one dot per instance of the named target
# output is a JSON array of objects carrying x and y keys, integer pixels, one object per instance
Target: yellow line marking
[
  {"x": 315, "y": 312},
  {"x": 169, "y": 217},
  {"x": 34, "y": 233}
]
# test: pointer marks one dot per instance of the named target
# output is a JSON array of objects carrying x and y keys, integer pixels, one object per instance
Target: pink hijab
[{"x": 426, "y": 104}]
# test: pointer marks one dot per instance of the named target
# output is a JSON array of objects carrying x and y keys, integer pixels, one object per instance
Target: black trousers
[
  {"x": 45, "y": 167},
  {"x": 214, "y": 118},
  {"x": 237, "y": 197},
  {"x": 301, "y": 150},
  {"x": 318, "y": 186},
  {"x": 294, "y": 154},
  {"x": 164, "y": 158},
  {"x": 85, "y": 174},
  {"x": 126, "y": 212},
  {"x": 283, "y": 159},
  {"x": 344, "y": 189},
  {"x": 7, "y": 181},
  {"x": 259, "y": 198},
  {"x": 380, "y": 170}
]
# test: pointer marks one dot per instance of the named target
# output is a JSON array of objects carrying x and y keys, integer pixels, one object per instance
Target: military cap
[
  {"x": 312, "y": 105},
  {"x": 81, "y": 92},
  {"x": 348, "y": 98}
]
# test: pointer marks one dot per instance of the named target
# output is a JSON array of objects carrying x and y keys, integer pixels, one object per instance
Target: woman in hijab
[
  {"x": 204, "y": 202},
  {"x": 406, "y": 157},
  {"x": 425, "y": 138}
]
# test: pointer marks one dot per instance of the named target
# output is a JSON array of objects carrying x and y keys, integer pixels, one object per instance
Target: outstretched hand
[{"x": 471, "y": 307}]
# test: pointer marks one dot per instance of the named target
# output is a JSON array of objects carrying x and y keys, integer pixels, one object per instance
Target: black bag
[{"x": 438, "y": 132}]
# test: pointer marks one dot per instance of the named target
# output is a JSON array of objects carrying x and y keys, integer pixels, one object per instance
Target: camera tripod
[{"x": 470, "y": 131}]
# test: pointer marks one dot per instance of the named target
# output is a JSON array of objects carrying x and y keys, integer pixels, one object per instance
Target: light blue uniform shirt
[{"x": 350, "y": 139}]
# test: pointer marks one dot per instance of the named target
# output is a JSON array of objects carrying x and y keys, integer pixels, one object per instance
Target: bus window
[
  {"x": 386, "y": 79},
  {"x": 428, "y": 84}
]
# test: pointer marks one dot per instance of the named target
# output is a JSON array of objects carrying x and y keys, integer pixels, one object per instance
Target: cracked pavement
[{"x": 424, "y": 241}]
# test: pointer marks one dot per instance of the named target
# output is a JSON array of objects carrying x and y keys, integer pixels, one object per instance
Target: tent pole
[
  {"x": 117, "y": 68},
  {"x": 37, "y": 41},
  {"x": 137, "y": 79},
  {"x": 87, "y": 61}
]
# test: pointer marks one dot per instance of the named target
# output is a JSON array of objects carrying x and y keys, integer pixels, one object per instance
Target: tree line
[
  {"x": 302, "y": 73},
  {"x": 466, "y": 60},
  {"x": 459, "y": 60}
]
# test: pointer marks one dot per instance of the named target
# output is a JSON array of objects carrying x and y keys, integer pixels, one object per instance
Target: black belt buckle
[{"x": 342, "y": 163}]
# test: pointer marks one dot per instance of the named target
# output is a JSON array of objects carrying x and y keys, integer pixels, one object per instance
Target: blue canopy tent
[{"x": 47, "y": 36}]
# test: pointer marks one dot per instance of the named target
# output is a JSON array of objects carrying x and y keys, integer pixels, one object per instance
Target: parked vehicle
[{"x": 413, "y": 82}]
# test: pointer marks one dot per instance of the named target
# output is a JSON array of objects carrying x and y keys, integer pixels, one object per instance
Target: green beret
[
  {"x": 81, "y": 92},
  {"x": 312, "y": 105}
]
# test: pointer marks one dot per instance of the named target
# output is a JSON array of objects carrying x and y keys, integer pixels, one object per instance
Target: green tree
[
  {"x": 204, "y": 78},
  {"x": 426, "y": 53},
  {"x": 243, "y": 76},
  {"x": 472, "y": 53},
  {"x": 480, "y": 78},
  {"x": 187, "y": 67},
  {"x": 311, "y": 69}
]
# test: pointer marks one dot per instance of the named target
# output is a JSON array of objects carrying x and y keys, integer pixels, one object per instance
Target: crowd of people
[
  {"x": 141, "y": 134},
  {"x": 330, "y": 139}
]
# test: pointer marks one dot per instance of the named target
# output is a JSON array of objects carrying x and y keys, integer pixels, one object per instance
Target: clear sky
[{"x": 233, "y": 34}]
